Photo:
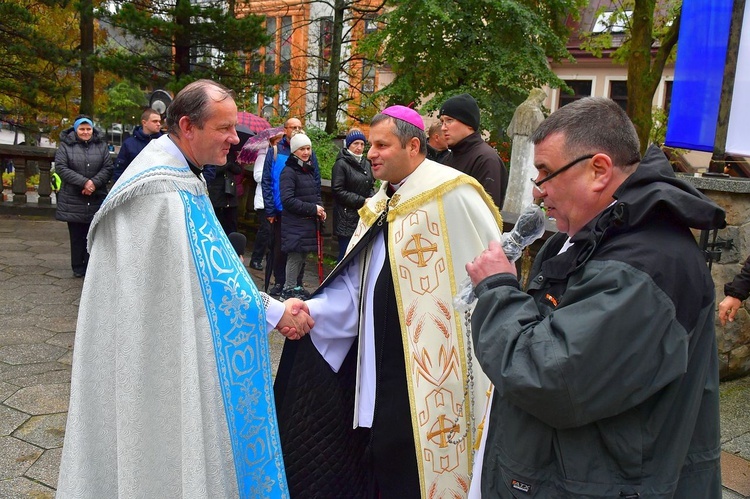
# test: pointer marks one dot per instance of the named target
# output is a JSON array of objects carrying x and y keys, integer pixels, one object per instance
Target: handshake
[{"x": 296, "y": 321}]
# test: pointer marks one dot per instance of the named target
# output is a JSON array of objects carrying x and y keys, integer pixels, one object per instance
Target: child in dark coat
[{"x": 303, "y": 206}]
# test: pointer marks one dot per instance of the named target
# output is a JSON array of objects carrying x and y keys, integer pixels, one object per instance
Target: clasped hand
[
  {"x": 88, "y": 188},
  {"x": 296, "y": 321}
]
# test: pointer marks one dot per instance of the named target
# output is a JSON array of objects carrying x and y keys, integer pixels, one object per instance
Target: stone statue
[
  {"x": 528, "y": 115},
  {"x": 525, "y": 120}
]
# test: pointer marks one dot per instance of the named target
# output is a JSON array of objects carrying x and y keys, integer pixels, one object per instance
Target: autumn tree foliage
[
  {"x": 37, "y": 78},
  {"x": 496, "y": 50}
]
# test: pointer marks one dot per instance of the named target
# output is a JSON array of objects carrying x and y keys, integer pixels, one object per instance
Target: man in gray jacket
[{"x": 605, "y": 369}]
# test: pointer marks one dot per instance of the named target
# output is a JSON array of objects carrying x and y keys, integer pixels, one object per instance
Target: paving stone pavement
[{"x": 38, "y": 309}]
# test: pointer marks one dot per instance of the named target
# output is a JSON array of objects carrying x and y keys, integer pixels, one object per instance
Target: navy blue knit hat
[{"x": 354, "y": 135}]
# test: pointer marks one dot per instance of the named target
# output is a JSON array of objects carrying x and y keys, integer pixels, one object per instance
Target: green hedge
[{"x": 325, "y": 150}]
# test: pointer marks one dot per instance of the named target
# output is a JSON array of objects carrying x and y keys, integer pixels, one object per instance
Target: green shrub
[
  {"x": 31, "y": 182},
  {"x": 325, "y": 150}
]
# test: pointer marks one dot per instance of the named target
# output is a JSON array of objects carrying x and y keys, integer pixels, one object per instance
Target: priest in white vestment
[
  {"x": 171, "y": 387},
  {"x": 393, "y": 409}
]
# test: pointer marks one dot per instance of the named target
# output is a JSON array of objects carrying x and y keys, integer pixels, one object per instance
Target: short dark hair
[
  {"x": 592, "y": 125},
  {"x": 146, "y": 114},
  {"x": 403, "y": 130},
  {"x": 434, "y": 128},
  {"x": 194, "y": 101}
]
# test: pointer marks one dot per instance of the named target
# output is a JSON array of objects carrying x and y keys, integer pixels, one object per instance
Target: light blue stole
[{"x": 238, "y": 326}]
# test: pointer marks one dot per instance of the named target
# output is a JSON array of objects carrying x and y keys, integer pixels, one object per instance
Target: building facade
[{"x": 304, "y": 40}]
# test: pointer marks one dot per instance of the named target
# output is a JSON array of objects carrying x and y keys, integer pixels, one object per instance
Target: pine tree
[{"x": 171, "y": 43}]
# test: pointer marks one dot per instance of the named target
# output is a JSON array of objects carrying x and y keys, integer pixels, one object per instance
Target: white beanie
[{"x": 299, "y": 140}]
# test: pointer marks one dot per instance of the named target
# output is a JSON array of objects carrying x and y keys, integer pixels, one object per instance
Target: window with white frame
[
  {"x": 618, "y": 92},
  {"x": 581, "y": 89}
]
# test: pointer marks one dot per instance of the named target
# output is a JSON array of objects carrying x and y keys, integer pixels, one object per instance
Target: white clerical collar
[
  {"x": 395, "y": 187},
  {"x": 171, "y": 146}
]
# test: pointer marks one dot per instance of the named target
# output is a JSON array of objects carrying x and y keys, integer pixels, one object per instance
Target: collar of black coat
[
  {"x": 467, "y": 143},
  {"x": 306, "y": 166}
]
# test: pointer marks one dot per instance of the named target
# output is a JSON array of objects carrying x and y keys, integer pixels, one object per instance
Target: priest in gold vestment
[{"x": 383, "y": 398}]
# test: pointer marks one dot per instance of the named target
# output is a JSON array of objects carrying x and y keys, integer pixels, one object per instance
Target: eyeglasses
[
  {"x": 294, "y": 127},
  {"x": 538, "y": 184},
  {"x": 447, "y": 121}
]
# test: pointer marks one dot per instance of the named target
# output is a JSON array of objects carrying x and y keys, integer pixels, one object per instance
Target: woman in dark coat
[
  {"x": 352, "y": 183},
  {"x": 222, "y": 191},
  {"x": 84, "y": 163},
  {"x": 300, "y": 197}
]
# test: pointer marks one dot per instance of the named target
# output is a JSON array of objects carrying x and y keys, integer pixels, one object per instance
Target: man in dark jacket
[
  {"x": 606, "y": 370},
  {"x": 149, "y": 129},
  {"x": 275, "y": 162},
  {"x": 736, "y": 292},
  {"x": 470, "y": 154},
  {"x": 437, "y": 147}
]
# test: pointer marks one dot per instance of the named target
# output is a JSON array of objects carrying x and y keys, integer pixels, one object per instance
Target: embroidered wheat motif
[
  {"x": 433, "y": 490},
  {"x": 418, "y": 330},
  {"x": 441, "y": 326},
  {"x": 443, "y": 308},
  {"x": 463, "y": 482},
  {"x": 411, "y": 313}
]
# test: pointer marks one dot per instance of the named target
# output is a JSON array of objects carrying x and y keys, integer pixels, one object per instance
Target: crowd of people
[
  {"x": 599, "y": 379},
  {"x": 454, "y": 139}
]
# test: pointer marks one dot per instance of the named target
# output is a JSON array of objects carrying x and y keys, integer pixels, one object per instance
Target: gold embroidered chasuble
[{"x": 438, "y": 221}]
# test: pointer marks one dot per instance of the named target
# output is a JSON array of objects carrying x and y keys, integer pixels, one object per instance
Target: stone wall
[{"x": 734, "y": 338}]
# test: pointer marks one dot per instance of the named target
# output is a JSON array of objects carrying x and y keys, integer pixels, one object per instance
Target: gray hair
[
  {"x": 194, "y": 101},
  {"x": 403, "y": 130},
  {"x": 593, "y": 125}
]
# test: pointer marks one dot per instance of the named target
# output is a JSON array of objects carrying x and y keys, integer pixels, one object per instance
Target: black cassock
[{"x": 323, "y": 455}]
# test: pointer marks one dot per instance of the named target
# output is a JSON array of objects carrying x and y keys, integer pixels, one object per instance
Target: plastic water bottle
[{"x": 529, "y": 227}]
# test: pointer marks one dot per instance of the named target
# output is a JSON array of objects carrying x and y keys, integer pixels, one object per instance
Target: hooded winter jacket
[
  {"x": 76, "y": 162},
  {"x": 351, "y": 183},
  {"x": 605, "y": 370},
  {"x": 131, "y": 148}
]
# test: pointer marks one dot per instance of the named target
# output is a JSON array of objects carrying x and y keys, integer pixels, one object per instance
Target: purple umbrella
[
  {"x": 252, "y": 121},
  {"x": 257, "y": 143}
]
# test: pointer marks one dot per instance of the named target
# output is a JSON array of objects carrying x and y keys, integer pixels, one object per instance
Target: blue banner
[{"x": 698, "y": 75}]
